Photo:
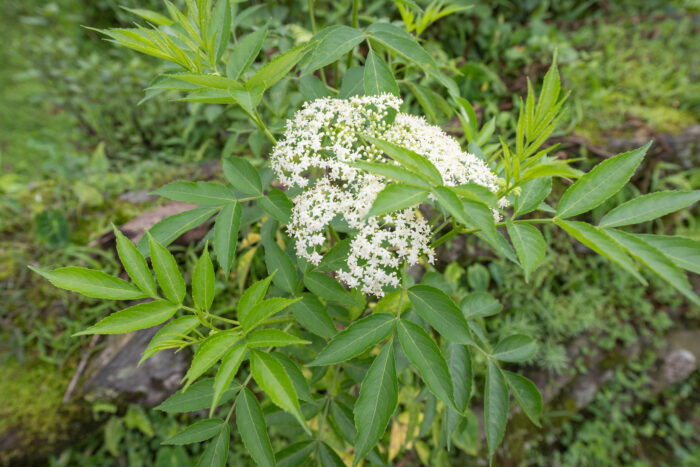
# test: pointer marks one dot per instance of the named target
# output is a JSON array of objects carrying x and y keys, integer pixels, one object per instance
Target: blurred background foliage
[{"x": 77, "y": 153}]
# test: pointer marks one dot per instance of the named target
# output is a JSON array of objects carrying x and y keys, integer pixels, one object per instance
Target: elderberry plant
[{"x": 337, "y": 331}]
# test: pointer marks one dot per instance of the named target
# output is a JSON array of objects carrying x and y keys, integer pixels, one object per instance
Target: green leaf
[
  {"x": 600, "y": 242},
  {"x": 214, "y": 82},
  {"x": 203, "y": 281},
  {"x": 170, "y": 335},
  {"x": 378, "y": 77},
  {"x": 253, "y": 295},
  {"x": 328, "y": 457},
  {"x": 413, "y": 161},
  {"x": 479, "y": 305},
  {"x": 495, "y": 407},
  {"x": 602, "y": 182},
  {"x": 526, "y": 393},
  {"x": 376, "y": 403},
  {"x": 150, "y": 16},
  {"x": 216, "y": 453},
  {"x": 337, "y": 257},
  {"x": 395, "y": 197},
  {"x": 141, "y": 316},
  {"x": 474, "y": 192},
  {"x": 253, "y": 429},
  {"x": 91, "y": 283},
  {"x": 401, "y": 42},
  {"x": 301, "y": 385},
  {"x": 648, "y": 207},
  {"x": 392, "y": 171},
  {"x": 312, "y": 88},
  {"x": 170, "y": 228},
  {"x": 532, "y": 194},
  {"x": 550, "y": 91},
  {"x": 295, "y": 454},
  {"x": 244, "y": 53},
  {"x": 242, "y": 175},
  {"x": 356, "y": 339},
  {"x": 352, "y": 84},
  {"x": 230, "y": 363},
  {"x": 459, "y": 362},
  {"x": 684, "y": 252},
  {"x": 197, "y": 432},
  {"x": 552, "y": 168},
  {"x": 135, "y": 264},
  {"x": 529, "y": 245},
  {"x": 278, "y": 262},
  {"x": 273, "y": 338},
  {"x": 312, "y": 315},
  {"x": 209, "y": 352},
  {"x": 169, "y": 278},
  {"x": 277, "y": 68},
  {"x": 422, "y": 351},
  {"x": 435, "y": 307},
  {"x": 197, "y": 397},
  {"x": 226, "y": 228},
  {"x": 263, "y": 310},
  {"x": 324, "y": 286},
  {"x": 655, "y": 260},
  {"x": 451, "y": 203},
  {"x": 331, "y": 44},
  {"x": 206, "y": 193},
  {"x": 269, "y": 373},
  {"x": 220, "y": 26},
  {"x": 277, "y": 205},
  {"x": 516, "y": 348}
]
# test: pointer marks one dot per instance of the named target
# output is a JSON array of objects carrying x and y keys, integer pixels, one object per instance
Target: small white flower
[{"x": 320, "y": 142}]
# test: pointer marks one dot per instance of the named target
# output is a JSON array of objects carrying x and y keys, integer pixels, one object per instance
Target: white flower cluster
[{"x": 321, "y": 141}]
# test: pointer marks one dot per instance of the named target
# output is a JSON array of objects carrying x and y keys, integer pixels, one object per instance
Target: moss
[{"x": 32, "y": 416}]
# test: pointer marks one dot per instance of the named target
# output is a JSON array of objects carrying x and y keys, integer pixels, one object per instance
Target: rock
[{"x": 113, "y": 375}]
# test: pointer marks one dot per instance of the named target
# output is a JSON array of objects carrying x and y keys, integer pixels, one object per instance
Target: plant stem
[
  {"x": 353, "y": 23},
  {"x": 258, "y": 121},
  {"x": 311, "y": 16}
]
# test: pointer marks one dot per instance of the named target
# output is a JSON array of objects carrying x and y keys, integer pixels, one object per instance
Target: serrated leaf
[
  {"x": 312, "y": 315},
  {"x": 401, "y": 42},
  {"x": 529, "y": 245},
  {"x": 277, "y": 68},
  {"x": 295, "y": 454},
  {"x": 324, "y": 286},
  {"x": 242, "y": 175},
  {"x": 226, "y": 228},
  {"x": 169, "y": 278},
  {"x": 602, "y": 182},
  {"x": 263, "y": 310},
  {"x": 600, "y": 242},
  {"x": 684, "y": 252},
  {"x": 655, "y": 260},
  {"x": 516, "y": 348},
  {"x": 197, "y": 432},
  {"x": 279, "y": 263},
  {"x": 435, "y": 307},
  {"x": 172, "y": 331},
  {"x": 395, "y": 197},
  {"x": 91, "y": 283},
  {"x": 205, "y": 193},
  {"x": 526, "y": 394},
  {"x": 272, "y": 338},
  {"x": 244, "y": 53},
  {"x": 253, "y": 295},
  {"x": 253, "y": 429},
  {"x": 211, "y": 81},
  {"x": 141, "y": 316},
  {"x": 331, "y": 44},
  {"x": 392, "y": 171},
  {"x": 135, "y": 264},
  {"x": 459, "y": 362},
  {"x": 312, "y": 88},
  {"x": 230, "y": 363},
  {"x": 220, "y": 26},
  {"x": 216, "y": 452},
  {"x": 203, "y": 281},
  {"x": 479, "y": 304},
  {"x": 336, "y": 258},
  {"x": 269, "y": 373},
  {"x": 377, "y": 77},
  {"x": 277, "y": 205},
  {"x": 328, "y": 457},
  {"x": 197, "y": 397},
  {"x": 413, "y": 161},
  {"x": 352, "y": 84},
  {"x": 356, "y": 339},
  {"x": 169, "y": 229},
  {"x": 532, "y": 194},
  {"x": 376, "y": 403},
  {"x": 301, "y": 385},
  {"x": 495, "y": 407},
  {"x": 648, "y": 207},
  {"x": 424, "y": 353},
  {"x": 209, "y": 352}
]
